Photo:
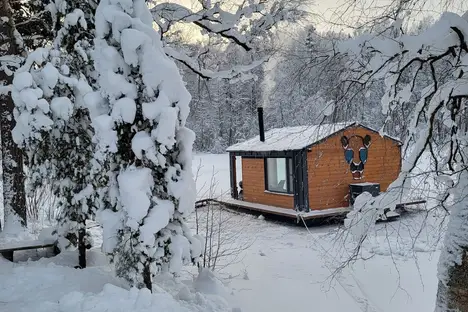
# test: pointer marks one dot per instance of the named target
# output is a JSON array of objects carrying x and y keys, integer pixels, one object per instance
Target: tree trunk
[
  {"x": 14, "y": 198},
  {"x": 452, "y": 292},
  {"x": 454, "y": 295},
  {"x": 82, "y": 247},
  {"x": 147, "y": 276}
]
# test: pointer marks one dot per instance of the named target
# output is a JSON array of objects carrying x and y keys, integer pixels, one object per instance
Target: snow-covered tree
[
  {"x": 145, "y": 145},
  {"x": 403, "y": 62},
  {"x": 24, "y": 25},
  {"x": 247, "y": 24},
  {"x": 53, "y": 125},
  {"x": 12, "y": 160}
]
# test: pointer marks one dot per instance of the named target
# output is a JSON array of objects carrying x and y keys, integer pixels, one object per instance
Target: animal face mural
[{"x": 355, "y": 153}]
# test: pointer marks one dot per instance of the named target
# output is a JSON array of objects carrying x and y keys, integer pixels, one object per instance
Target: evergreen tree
[
  {"x": 53, "y": 125},
  {"x": 146, "y": 146}
]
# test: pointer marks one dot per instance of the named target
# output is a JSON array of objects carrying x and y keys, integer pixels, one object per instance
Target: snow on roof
[{"x": 289, "y": 138}]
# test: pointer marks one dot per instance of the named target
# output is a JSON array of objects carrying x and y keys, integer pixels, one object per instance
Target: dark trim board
[
  {"x": 301, "y": 177},
  {"x": 233, "y": 176},
  {"x": 267, "y": 154}
]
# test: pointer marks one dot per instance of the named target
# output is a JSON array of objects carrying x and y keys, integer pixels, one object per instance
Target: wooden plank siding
[
  {"x": 329, "y": 173},
  {"x": 253, "y": 182}
]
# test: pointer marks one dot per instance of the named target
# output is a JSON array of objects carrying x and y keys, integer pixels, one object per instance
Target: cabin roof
[{"x": 292, "y": 138}]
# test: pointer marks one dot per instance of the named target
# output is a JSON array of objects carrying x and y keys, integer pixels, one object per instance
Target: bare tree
[
  {"x": 41, "y": 203},
  {"x": 221, "y": 230}
]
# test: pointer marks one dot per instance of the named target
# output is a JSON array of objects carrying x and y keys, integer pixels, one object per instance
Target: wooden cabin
[{"x": 313, "y": 168}]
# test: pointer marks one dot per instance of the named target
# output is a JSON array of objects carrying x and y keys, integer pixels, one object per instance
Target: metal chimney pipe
[{"x": 260, "y": 124}]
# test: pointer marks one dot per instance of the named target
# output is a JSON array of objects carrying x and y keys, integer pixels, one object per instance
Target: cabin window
[{"x": 279, "y": 175}]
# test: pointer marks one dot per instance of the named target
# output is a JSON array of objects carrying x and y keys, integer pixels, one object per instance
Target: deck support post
[{"x": 233, "y": 177}]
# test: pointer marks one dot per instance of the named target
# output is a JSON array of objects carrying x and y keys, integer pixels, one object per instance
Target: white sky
[
  {"x": 328, "y": 13},
  {"x": 334, "y": 10}
]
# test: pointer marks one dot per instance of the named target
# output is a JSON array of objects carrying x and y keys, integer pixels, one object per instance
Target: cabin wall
[
  {"x": 329, "y": 175},
  {"x": 253, "y": 182}
]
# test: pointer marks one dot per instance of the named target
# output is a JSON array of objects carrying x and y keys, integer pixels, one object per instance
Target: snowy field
[
  {"x": 286, "y": 267},
  {"x": 274, "y": 267}
]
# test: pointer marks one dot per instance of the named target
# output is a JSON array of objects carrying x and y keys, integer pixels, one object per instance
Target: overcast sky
[{"x": 333, "y": 14}]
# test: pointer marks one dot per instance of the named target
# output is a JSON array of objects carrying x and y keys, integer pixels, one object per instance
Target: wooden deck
[
  {"x": 291, "y": 213},
  {"x": 284, "y": 212}
]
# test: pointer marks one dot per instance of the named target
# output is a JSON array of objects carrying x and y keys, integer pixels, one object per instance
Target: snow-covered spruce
[
  {"x": 146, "y": 148},
  {"x": 53, "y": 126}
]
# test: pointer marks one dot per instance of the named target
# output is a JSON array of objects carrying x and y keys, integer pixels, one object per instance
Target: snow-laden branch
[
  {"x": 251, "y": 19},
  {"x": 245, "y": 26},
  {"x": 427, "y": 73},
  {"x": 235, "y": 73}
]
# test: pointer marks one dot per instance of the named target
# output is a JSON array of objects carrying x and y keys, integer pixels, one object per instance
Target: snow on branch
[
  {"x": 426, "y": 74},
  {"x": 239, "y": 72},
  {"x": 247, "y": 24},
  {"x": 430, "y": 66},
  {"x": 250, "y": 20}
]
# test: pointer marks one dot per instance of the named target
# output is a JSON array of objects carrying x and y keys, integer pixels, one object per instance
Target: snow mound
[
  {"x": 44, "y": 286},
  {"x": 14, "y": 231},
  {"x": 47, "y": 234},
  {"x": 116, "y": 299},
  {"x": 62, "y": 107},
  {"x": 208, "y": 283}
]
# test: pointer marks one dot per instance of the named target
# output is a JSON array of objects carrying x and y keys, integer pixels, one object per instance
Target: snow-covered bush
[{"x": 142, "y": 145}]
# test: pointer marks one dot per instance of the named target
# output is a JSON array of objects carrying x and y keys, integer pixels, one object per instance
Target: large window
[{"x": 279, "y": 175}]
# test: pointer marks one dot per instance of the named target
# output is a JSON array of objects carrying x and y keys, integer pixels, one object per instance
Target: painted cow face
[{"x": 355, "y": 153}]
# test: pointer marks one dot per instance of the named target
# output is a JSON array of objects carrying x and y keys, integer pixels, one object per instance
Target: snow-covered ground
[
  {"x": 51, "y": 285},
  {"x": 287, "y": 267},
  {"x": 276, "y": 267}
]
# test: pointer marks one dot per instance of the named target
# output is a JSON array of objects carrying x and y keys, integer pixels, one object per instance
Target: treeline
[{"x": 305, "y": 82}]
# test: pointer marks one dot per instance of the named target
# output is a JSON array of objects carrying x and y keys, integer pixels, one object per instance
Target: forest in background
[{"x": 305, "y": 77}]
